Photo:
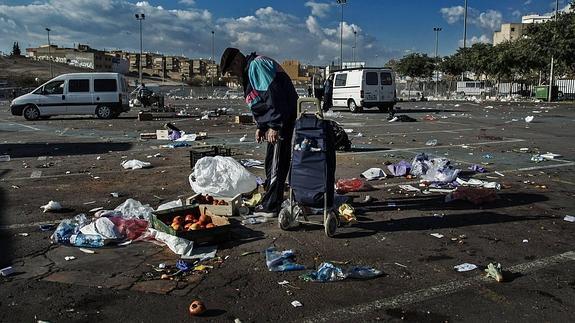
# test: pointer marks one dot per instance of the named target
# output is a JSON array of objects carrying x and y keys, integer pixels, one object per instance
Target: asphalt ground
[{"x": 76, "y": 161}]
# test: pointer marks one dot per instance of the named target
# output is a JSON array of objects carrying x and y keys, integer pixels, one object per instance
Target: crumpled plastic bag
[
  {"x": 135, "y": 164},
  {"x": 347, "y": 213},
  {"x": 51, "y": 207},
  {"x": 179, "y": 246},
  {"x": 170, "y": 205},
  {"x": 281, "y": 261},
  {"x": 69, "y": 227},
  {"x": 400, "y": 169},
  {"x": 103, "y": 227},
  {"x": 221, "y": 176},
  {"x": 373, "y": 174},
  {"x": 327, "y": 272},
  {"x": 132, "y": 229},
  {"x": 134, "y": 209},
  {"x": 436, "y": 170}
]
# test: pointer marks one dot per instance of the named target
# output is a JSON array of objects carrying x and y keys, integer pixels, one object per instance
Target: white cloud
[
  {"x": 188, "y": 2},
  {"x": 489, "y": 20},
  {"x": 527, "y": 2},
  {"x": 318, "y": 9},
  {"x": 516, "y": 14},
  {"x": 474, "y": 40},
  {"x": 110, "y": 24}
]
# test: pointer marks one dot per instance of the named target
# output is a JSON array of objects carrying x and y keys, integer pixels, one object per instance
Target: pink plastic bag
[
  {"x": 349, "y": 185},
  {"x": 132, "y": 229}
]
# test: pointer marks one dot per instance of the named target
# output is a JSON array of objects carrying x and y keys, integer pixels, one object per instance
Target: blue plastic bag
[{"x": 281, "y": 261}]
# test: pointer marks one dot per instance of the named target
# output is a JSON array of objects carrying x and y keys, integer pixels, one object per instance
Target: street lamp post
[
  {"x": 213, "y": 60},
  {"x": 341, "y": 2},
  {"x": 140, "y": 17},
  {"x": 436, "y": 30},
  {"x": 550, "y": 94},
  {"x": 354, "y": 48},
  {"x": 50, "y": 53},
  {"x": 464, "y": 35}
]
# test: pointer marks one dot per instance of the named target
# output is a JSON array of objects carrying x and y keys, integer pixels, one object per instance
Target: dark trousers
[{"x": 277, "y": 165}]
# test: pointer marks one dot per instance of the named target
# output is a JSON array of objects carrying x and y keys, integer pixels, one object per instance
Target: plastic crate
[{"x": 198, "y": 153}]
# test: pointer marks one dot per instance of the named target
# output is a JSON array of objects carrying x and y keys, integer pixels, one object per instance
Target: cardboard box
[
  {"x": 231, "y": 209},
  {"x": 162, "y": 135},
  {"x": 244, "y": 119},
  {"x": 148, "y": 135}
]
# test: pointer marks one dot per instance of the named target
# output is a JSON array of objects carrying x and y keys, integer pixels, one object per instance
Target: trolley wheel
[
  {"x": 330, "y": 224},
  {"x": 285, "y": 218}
]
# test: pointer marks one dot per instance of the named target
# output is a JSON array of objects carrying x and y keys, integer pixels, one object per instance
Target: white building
[{"x": 535, "y": 19}]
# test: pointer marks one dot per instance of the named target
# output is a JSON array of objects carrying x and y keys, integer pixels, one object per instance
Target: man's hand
[
  {"x": 259, "y": 136},
  {"x": 272, "y": 136}
]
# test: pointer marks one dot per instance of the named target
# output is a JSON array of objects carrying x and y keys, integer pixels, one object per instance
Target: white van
[
  {"x": 364, "y": 87},
  {"x": 102, "y": 94},
  {"x": 473, "y": 88}
]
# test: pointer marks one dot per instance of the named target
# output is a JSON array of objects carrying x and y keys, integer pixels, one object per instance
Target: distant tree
[
  {"x": 16, "y": 49},
  {"x": 452, "y": 68},
  {"x": 416, "y": 66}
]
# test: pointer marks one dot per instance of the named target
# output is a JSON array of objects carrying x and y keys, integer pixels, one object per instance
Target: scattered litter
[
  {"x": 135, "y": 164},
  {"x": 528, "y": 119},
  {"x": 202, "y": 253},
  {"x": 488, "y": 156},
  {"x": 569, "y": 218},
  {"x": 179, "y": 246},
  {"x": 500, "y": 174},
  {"x": 350, "y": 185},
  {"x": 473, "y": 182},
  {"x": 254, "y": 201},
  {"x": 373, "y": 174},
  {"x": 84, "y": 250},
  {"x": 23, "y": 234},
  {"x": 221, "y": 176},
  {"x": 187, "y": 137},
  {"x": 252, "y": 163},
  {"x": 281, "y": 261},
  {"x": 465, "y": 267},
  {"x": 244, "y": 138},
  {"x": 96, "y": 209},
  {"x": 525, "y": 241},
  {"x": 367, "y": 199},
  {"x": 7, "y": 271},
  {"x": 296, "y": 304},
  {"x": 400, "y": 265},
  {"x": 437, "y": 235},
  {"x": 348, "y": 130},
  {"x": 359, "y": 135},
  {"x": 115, "y": 194},
  {"x": 4, "y": 158},
  {"x": 52, "y": 206},
  {"x": 432, "y": 142},
  {"x": 394, "y": 119},
  {"x": 537, "y": 158},
  {"x": 494, "y": 271},
  {"x": 551, "y": 156},
  {"x": 327, "y": 272},
  {"x": 69, "y": 258},
  {"x": 429, "y": 118},
  {"x": 46, "y": 227},
  {"x": 477, "y": 168},
  {"x": 347, "y": 214},
  {"x": 409, "y": 188},
  {"x": 247, "y": 253},
  {"x": 399, "y": 169},
  {"x": 170, "y": 205}
]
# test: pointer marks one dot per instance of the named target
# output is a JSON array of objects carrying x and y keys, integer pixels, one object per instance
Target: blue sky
[{"x": 305, "y": 30}]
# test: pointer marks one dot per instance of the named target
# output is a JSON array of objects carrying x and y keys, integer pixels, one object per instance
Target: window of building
[
  {"x": 105, "y": 85},
  {"x": 340, "y": 79},
  {"x": 512, "y": 29},
  {"x": 371, "y": 78},
  {"x": 386, "y": 78},
  {"x": 79, "y": 86}
]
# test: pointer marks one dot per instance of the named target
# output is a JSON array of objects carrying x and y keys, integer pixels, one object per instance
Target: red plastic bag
[
  {"x": 132, "y": 229},
  {"x": 349, "y": 185}
]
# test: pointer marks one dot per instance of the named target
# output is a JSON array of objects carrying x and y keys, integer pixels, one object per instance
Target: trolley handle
[{"x": 315, "y": 101}]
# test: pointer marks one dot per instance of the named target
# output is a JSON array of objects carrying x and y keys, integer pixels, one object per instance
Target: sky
[{"x": 307, "y": 30}]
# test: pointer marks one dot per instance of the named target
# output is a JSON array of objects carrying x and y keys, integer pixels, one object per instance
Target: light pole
[
  {"x": 436, "y": 30},
  {"x": 140, "y": 17},
  {"x": 550, "y": 96},
  {"x": 213, "y": 61},
  {"x": 341, "y": 2},
  {"x": 50, "y": 53},
  {"x": 353, "y": 49},
  {"x": 464, "y": 35}
]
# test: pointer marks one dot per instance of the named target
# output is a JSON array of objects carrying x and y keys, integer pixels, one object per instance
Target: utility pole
[
  {"x": 213, "y": 60},
  {"x": 50, "y": 53},
  {"x": 341, "y": 2},
  {"x": 140, "y": 17},
  {"x": 550, "y": 97},
  {"x": 464, "y": 35},
  {"x": 436, "y": 30},
  {"x": 354, "y": 45}
]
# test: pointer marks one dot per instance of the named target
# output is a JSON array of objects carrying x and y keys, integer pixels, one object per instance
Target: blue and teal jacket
[{"x": 269, "y": 93}]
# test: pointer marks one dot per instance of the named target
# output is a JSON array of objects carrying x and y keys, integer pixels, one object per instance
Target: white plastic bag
[
  {"x": 221, "y": 176},
  {"x": 134, "y": 209},
  {"x": 103, "y": 227},
  {"x": 170, "y": 205},
  {"x": 135, "y": 164},
  {"x": 179, "y": 246}
]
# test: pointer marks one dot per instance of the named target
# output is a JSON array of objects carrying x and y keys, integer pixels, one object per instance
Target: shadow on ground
[
  {"x": 61, "y": 149},
  {"x": 5, "y": 239}
]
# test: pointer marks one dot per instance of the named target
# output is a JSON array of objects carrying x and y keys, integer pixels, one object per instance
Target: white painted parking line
[
  {"x": 421, "y": 295},
  {"x": 27, "y": 225},
  {"x": 25, "y": 126},
  {"x": 36, "y": 174}
]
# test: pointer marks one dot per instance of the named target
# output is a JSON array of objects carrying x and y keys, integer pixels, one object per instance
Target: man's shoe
[{"x": 261, "y": 211}]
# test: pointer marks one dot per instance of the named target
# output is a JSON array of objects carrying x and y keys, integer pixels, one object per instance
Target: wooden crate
[
  {"x": 220, "y": 233},
  {"x": 224, "y": 210}
]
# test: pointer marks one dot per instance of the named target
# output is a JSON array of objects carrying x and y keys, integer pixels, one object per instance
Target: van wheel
[
  {"x": 353, "y": 107},
  {"x": 31, "y": 113},
  {"x": 104, "y": 112}
]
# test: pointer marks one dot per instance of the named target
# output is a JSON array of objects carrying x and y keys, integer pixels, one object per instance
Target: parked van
[
  {"x": 364, "y": 87},
  {"x": 102, "y": 94},
  {"x": 473, "y": 88}
]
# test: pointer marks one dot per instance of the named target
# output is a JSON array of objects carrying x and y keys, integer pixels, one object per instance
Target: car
[
  {"x": 102, "y": 94},
  {"x": 233, "y": 94},
  {"x": 364, "y": 87}
]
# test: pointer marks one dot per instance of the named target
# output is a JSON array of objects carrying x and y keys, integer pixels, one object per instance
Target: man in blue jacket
[{"x": 272, "y": 99}]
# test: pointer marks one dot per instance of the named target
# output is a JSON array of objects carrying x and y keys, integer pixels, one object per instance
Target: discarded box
[
  {"x": 162, "y": 135},
  {"x": 242, "y": 119},
  {"x": 196, "y": 154},
  {"x": 220, "y": 233},
  {"x": 7, "y": 271},
  {"x": 148, "y": 135},
  {"x": 230, "y": 209},
  {"x": 144, "y": 116}
]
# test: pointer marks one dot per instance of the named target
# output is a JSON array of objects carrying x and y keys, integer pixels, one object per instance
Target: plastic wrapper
[
  {"x": 399, "y": 169},
  {"x": 221, "y": 176},
  {"x": 103, "y": 227},
  {"x": 281, "y": 261},
  {"x": 327, "y": 272},
  {"x": 134, "y": 209},
  {"x": 69, "y": 227},
  {"x": 349, "y": 185},
  {"x": 135, "y": 164}
]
